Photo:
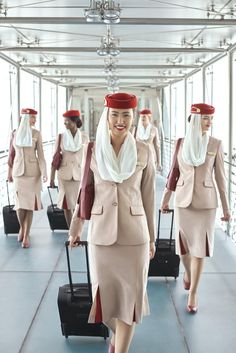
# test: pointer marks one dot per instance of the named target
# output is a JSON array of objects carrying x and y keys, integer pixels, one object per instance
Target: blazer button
[{"x": 114, "y": 203}]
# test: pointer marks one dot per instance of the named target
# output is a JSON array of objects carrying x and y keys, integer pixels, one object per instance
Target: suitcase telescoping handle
[
  {"x": 85, "y": 244},
  {"x": 50, "y": 195},
  {"x": 171, "y": 226},
  {"x": 8, "y": 195}
]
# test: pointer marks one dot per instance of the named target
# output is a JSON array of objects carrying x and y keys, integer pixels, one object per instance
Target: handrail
[{"x": 5, "y": 152}]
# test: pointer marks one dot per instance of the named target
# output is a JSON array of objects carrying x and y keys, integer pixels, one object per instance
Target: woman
[
  {"x": 69, "y": 173},
  {"x": 199, "y": 157},
  {"x": 148, "y": 133},
  {"x": 26, "y": 165},
  {"x": 122, "y": 226}
]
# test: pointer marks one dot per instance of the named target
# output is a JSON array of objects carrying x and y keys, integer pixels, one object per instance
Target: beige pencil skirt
[
  {"x": 68, "y": 193},
  {"x": 28, "y": 193},
  {"x": 119, "y": 281},
  {"x": 195, "y": 231}
]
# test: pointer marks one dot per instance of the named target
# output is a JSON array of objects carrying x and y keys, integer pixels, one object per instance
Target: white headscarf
[
  {"x": 24, "y": 132},
  {"x": 195, "y": 143},
  {"x": 70, "y": 143},
  {"x": 142, "y": 132},
  {"x": 110, "y": 166}
]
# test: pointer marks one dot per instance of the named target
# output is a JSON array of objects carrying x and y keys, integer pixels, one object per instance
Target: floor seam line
[
  {"x": 181, "y": 327},
  {"x": 40, "y": 302}
]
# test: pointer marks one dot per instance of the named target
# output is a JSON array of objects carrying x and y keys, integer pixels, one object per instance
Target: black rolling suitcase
[
  {"x": 55, "y": 215},
  {"x": 10, "y": 220},
  {"x": 74, "y": 304},
  {"x": 165, "y": 262}
]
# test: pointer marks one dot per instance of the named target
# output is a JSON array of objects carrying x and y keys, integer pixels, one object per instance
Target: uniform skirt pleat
[
  {"x": 195, "y": 231},
  {"x": 28, "y": 193},
  {"x": 68, "y": 193}
]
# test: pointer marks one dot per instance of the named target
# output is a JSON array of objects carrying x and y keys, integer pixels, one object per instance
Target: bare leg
[
  {"x": 186, "y": 260},
  {"x": 21, "y": 215},
  {"x": 112, "y": 326},
  {"x": 124, "y": 335},
  {"x": 29, "y": 219},
  {"x": 28, "y": 223},
  {"x": 68, "y": 216},
  {"x": 196, "y": 270}
]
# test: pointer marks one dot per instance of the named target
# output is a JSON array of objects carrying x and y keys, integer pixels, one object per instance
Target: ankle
[{"x": 113, "y": 338}]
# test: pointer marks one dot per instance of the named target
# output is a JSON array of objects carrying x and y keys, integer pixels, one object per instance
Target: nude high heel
[
  {"x": 25, "y": 243},
  {"x": 111, "y": 348}
]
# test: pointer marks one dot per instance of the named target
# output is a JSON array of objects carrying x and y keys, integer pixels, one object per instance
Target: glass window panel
[
  {"x": 177, "y": 110},
  {"x": 48, "y": 122},
  {"x": 220, "y": 100},
  {"x": 61, "y": 107},
  {"x": 166, "y": 112},
  {"x": 29, "y": 92},
  {"x": 9, "y": 104},
  {"x": 194, "y": 90}
]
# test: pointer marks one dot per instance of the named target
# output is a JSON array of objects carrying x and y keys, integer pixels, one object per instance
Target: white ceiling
[{"x": 52, "y": 38}]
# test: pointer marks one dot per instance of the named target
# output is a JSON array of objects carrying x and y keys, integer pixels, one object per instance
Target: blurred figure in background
[
  {"x": 27, "y": 167},
  {"x": 148, "y": 133},
  {"x": 71, "y": 143}
]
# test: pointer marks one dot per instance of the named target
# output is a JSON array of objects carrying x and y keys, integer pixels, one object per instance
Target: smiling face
[
  {"x": 206, "y": 122},
  {"x": 69, "y": 124},
  {"x": 120, "y": 121}
]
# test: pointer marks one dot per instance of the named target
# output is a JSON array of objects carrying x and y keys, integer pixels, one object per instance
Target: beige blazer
[
  {"x": 197, "y": 185},
  {"x": 30, "y": 161},
  {"x": 154, "y": 142},
  {"x": 71, "y": 161},
  {"x": 122, "y": 213}
]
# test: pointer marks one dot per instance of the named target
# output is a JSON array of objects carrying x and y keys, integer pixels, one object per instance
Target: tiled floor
[{"x": 29, "y": 281}]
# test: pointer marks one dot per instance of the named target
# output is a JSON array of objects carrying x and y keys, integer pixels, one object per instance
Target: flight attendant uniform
[
  {"x": 28, "y": 168},
  {"x": 151, "y": 137},
  {"x": 69, "y": 176},
  {"x": 196, "y": 200},
  {"x": 69, "y": 173},
  {"x": 121, "y": 227}
]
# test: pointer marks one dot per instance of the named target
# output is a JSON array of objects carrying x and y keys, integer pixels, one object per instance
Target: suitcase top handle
[{"x": 85, "y": 244}]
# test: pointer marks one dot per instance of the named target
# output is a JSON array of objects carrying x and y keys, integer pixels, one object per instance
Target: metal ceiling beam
[
  {"x": 123, "y": 50},
  {"x": 121, "y": 67},
  {"x": 124, "y": 21},
  {"x": 145, "y": 77}
]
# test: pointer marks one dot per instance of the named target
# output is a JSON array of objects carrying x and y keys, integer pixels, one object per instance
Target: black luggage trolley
[{"x": 165, "y": 262}]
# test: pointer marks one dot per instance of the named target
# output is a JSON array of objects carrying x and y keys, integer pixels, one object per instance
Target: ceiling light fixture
[
  {"x": 109, "y": 45},
  {"x": 110, "y": 66},
  {"x": 103, "y": 11},
  {"x": 224, "y": 43},
  {"x": 221, "y": 13},
  {"x": 191, "y": 44},
  {"x": 22, "y": 42},
  {"x": 3, "y": 9}
]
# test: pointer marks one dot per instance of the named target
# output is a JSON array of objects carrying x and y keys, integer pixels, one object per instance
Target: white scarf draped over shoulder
[
  {"x": 70, "y": 143},
  {"x": 24, "y": 132},
  {"x": 142, "y": 132},
  {"x": 195, "y": 143},
  {"x": 112, "y": 167}
]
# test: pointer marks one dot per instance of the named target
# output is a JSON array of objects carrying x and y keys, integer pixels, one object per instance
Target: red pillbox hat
[
  {"x": 202, "y": 108},
  {"x": 28, "y": 111},
  {"x": 121, "y": 101},
  {"x": 145, "y": 112},
  {"x": 71, "y": 113}
]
